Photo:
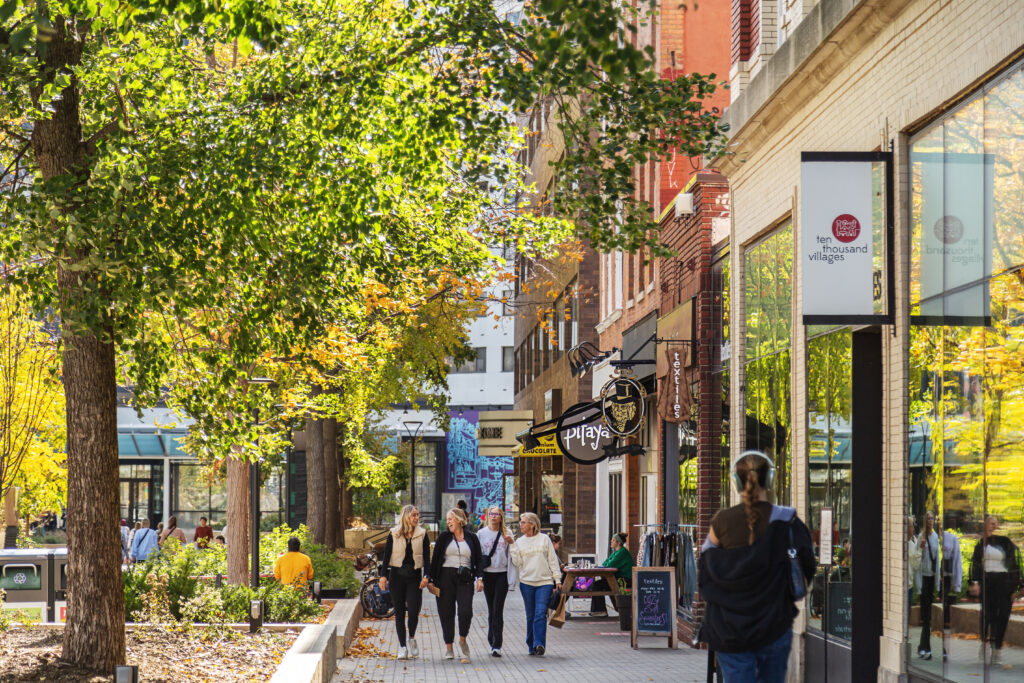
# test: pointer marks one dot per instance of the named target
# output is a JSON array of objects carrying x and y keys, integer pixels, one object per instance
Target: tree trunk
[
  {"x": 346, "y": 490},
  {"x": 332, "y": 504},
  {"x": 94, "y": 635},
  {"x": 237, "y": 539},
  {"x": 315, "y": 479}
]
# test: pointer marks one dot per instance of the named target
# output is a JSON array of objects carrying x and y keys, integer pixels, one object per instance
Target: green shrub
[{"x": 283, "y": 604}]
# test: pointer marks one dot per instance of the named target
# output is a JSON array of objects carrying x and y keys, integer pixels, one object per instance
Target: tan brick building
[{"x": 940, "y": 85}]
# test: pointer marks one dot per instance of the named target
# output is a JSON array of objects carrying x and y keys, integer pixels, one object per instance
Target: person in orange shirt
[{"x": 294, "y": 568}]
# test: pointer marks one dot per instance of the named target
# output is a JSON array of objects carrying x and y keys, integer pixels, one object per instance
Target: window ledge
[{"x": 607, "y": 322}]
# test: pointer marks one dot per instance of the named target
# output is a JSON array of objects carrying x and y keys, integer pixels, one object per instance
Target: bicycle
[{"x": 376, "y": 602}]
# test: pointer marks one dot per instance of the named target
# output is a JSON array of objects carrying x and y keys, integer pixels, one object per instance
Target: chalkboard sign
[
  {"x": 840, "y": 610},
  {"x": 654, "y": 603}
]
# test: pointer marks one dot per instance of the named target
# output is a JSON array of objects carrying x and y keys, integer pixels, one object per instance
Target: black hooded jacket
[{"x": 746, "y": 590}]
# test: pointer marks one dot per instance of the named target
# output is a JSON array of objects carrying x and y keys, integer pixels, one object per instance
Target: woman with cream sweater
[{"x": 537, "y": 563}]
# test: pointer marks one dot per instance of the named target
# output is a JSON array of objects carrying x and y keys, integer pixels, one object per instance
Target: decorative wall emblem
[{"x": 622, "y": 405}]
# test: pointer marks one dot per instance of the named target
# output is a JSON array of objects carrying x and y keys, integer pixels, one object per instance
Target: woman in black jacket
[
  {"x": 744, "y": 577},
  {"x": 454, "y": 567},
  {"x": 995, "y": 574}
]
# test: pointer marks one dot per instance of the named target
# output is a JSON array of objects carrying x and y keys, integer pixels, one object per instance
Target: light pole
[
  {"x": 412, "y": 429},
  {"x": 254, "y": 502}
]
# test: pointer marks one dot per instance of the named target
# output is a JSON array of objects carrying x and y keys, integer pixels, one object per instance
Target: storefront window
[
  {"x": 198, "y": 492},
  {"x": 768, "y": 293},
  {"x": 966, "y": 432},
  {"x": 829, "y": 477}
]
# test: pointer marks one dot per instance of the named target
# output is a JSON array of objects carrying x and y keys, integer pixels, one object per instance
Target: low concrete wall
[
  {"x": 312, "y": 658},
  {"x": 966, "y": 619},
  {"x": 345, "y": 618}
]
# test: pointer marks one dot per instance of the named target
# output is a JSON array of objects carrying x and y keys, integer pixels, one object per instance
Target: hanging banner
[
  {"x": 955, "y": 234},
  {"x": 546, "y": 448},
  {"x": 844, "y": 229},
  {"x": 583, "y": 436},
  {"x": 676, "y": 328}
]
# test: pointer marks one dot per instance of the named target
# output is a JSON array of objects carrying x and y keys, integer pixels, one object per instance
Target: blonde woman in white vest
[{"x": 405, "y": 570}]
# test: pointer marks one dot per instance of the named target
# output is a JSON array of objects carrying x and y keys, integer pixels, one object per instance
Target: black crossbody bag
[{"x": 485, "y": 560}]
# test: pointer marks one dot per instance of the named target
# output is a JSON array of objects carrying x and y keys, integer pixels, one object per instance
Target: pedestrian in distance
[
  {"x": 536, "y": 562},
  {"x": 172, "y": 531},
  {"x": 203, "y": 535},
  {"x": 748, "y": 580},
  {"x": 995, "y": 577},
  {"x": 470, "y": 522},
  {"x": 145, "y": 543},
  {"x": 927, "y": 572},
  {"x": 125, "y": 546},
  {"x": 495, "y": 541},
  {"x": 294, "y": 568},
  {"x": 621, "y": 559},
  {"x": 131, "y": 539},
  {"x": 406, "y": 558},
  {"x": 454, "y": 568}
]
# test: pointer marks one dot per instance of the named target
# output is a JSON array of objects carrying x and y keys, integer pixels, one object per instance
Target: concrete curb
[
  {"x": 312, "y": 657},
  {"x": 345, "y": 615}
]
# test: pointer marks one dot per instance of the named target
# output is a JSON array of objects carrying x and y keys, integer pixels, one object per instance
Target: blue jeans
[
  {"x": 765, "y": 665},
  {"x": 536, "y": 599}
]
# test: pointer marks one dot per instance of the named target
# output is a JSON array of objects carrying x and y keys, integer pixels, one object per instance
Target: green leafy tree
[{"x": 243, "y": 168}]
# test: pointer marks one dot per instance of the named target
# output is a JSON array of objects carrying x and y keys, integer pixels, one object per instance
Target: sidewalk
[{"x": 583, "y": 651}]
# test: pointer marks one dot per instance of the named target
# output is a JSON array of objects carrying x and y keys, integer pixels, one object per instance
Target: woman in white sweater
[{"x": 537, "y": 563}]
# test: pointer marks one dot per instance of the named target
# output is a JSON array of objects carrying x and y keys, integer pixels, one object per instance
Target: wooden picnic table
[{"x": 606, "y": 573}]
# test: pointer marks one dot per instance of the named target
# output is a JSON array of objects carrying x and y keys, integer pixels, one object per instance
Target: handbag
[
  {"x": 555, "y": 599},
  {"x": 797, "y": 585},
  {"x": 583, "y": 583},
  {"x": 485, "y": 560},
  {"x": 557, "y": 618}
]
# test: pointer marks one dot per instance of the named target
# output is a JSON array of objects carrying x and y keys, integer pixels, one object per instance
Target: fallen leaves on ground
[
  {"x": 161, "y": 655},
  {"x": 363, "y": 646}
]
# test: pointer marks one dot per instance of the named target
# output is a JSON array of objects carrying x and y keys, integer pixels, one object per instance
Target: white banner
[
  {"x": 956, "y": 239},
  {"x": 836, "y": 236}
]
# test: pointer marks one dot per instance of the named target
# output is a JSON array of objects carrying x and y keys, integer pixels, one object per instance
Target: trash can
[
  {"x": 59, "y": 585},
  {"x": 25, "y": 577}
]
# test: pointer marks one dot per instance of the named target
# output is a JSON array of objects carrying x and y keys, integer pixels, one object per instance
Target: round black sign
[
  {"x": 622, "y": 405},
  {"x": 582, "y": 435}
]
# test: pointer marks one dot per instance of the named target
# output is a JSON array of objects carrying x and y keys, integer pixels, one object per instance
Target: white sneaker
[
  {"x": 403, "y": 653},
  {"x": 448, "y": 654},
  {"x": 414, "y": 649}
]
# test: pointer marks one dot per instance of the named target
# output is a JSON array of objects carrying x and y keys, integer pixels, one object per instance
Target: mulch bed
[{"x": 161, "y": 654}]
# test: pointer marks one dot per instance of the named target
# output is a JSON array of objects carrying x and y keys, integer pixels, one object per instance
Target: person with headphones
[{"x": 748, "y": 580}]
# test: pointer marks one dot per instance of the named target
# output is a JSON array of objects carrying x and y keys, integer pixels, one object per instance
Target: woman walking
[
  {"x": 746, "y": 578},
  {"x": 172, "y": 531},
  {"x": 494, "y": 544},
  {"x": 406, "y": 558},
  {"x": 995, "y": 575},
  {"x": 537, "y": 564},
  {"x": 454, "y": 567}
]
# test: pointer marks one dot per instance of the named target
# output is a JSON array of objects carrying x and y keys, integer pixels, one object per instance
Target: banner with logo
[
  {"x": 955, "y": 243},
  {"x": 837, "y": 227}
]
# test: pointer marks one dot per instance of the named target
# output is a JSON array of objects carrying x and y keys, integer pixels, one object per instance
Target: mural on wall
[{"x": 478, "y": 480}]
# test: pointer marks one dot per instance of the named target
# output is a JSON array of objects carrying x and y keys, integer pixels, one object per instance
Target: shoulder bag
[
  {"x": 485, "y": 560},
  {"x": 797, "y": 585}
]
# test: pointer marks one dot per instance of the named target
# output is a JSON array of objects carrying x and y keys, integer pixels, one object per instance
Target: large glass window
[
  {"x": 966, "y": 431},
  {"x": 768, "y": 293},
  {"x": 198, "y": 491},
  {"x": 829, "y": 477}
]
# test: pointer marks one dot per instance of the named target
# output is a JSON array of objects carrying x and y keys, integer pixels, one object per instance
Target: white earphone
[{"x": 769, "y": 478}]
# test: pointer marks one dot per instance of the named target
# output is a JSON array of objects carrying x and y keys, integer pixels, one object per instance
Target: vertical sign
[
  {"x": 825, "y": 537},
  {"x": 955, "y": 233},
  {"x": 839, "y": 221}
]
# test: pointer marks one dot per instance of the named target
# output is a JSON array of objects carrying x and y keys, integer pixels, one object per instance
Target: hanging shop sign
[
  {"x": 622, "y": 405},
  {"x": 955, "y": 236},
  {"x": 845, "y": 222},
  {"x": 546, "y": 447},
  {"x": 496, "y": 431},
  {"x": 674, "y": 395},
  {"x": 583, "y": 436}
]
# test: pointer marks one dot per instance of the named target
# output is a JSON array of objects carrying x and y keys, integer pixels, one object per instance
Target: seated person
[
  {"x": 623, "y": 562},
  {"x": 294, "y": 568}
]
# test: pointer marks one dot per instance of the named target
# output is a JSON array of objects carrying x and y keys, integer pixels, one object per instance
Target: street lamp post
[
  {"x": 254, "y": 503},
  {"x": 412, "y": 429}
]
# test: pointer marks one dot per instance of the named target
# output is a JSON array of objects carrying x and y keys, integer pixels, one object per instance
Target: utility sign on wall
[{"x": 844, "y": 221}]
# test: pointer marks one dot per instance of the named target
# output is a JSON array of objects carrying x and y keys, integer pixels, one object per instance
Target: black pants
[
  {"x": 996, "y": 603},
  {"x": 495, "y": 590},
  {"x": 454, "y": 594},
  {"x": 927, "y": 596},
  {"x": 597, "y": 603},
  {"x": 408, "y": 597},
  {"x": 948, "y": 600}
]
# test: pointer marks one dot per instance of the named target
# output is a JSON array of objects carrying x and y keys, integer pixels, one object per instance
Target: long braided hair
[{"x": 752, "y": 470}]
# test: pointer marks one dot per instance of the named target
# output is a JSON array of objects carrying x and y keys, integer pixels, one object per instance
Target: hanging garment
[
  {"x": 650, "y": 550},
  {"x": 689, "y": 564}
]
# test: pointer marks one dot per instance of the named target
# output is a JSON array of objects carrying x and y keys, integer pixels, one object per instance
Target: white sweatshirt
[{"x": 536, "y": 560}]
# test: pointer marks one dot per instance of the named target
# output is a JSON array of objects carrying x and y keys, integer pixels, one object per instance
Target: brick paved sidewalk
[{"x": 585, "y": 650}]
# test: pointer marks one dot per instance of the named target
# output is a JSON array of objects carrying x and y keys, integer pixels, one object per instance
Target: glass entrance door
[{"x": 137, "y": 500}]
